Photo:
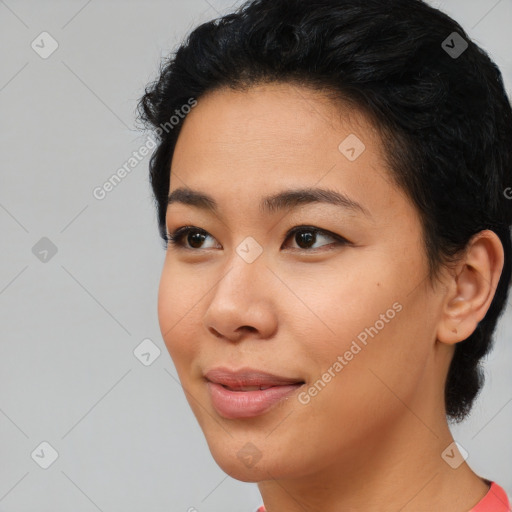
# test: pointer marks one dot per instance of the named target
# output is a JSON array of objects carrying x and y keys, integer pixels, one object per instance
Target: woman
[{"x": 333, "y": 199}]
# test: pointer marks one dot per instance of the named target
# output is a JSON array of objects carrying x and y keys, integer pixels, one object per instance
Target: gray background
[{"x": 124, "y": 433}]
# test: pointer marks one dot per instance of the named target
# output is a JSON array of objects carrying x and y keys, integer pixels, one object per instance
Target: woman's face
[{"x": 341, "y": 311}]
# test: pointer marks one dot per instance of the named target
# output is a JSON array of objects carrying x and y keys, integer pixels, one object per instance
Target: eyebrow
[{"x": 285, "y": 200}]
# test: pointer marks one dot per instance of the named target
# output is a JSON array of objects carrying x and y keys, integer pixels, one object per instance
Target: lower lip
[{"x": 247, "y": 404}]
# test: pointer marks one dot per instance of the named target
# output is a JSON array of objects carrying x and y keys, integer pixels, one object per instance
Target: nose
[{"x": 242, "y": 304}]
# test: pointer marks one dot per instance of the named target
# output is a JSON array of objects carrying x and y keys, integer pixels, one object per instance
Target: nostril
[
  {"x": 249, "y": 328},
  {"x": 237, "y": 334},
  {"x": 215, "y": 333}
]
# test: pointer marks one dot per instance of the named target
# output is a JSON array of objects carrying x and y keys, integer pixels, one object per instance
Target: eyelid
[
  {"x": 182, "y": 231},
  {"x": 324, "y": 232}
]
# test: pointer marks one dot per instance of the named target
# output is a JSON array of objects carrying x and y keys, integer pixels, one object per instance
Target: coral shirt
[{"x": 494, "y": 501}]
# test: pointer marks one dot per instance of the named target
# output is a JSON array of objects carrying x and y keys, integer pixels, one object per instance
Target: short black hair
[{"x": 437, "y": 99}]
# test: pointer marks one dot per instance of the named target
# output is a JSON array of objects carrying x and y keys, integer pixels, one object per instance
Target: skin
[{"x": 372, "y": 438}]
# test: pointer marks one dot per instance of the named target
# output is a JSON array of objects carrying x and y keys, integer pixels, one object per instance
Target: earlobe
[
  {"x": 471, "y": 288},
  {"x": 458, "y": 321}
]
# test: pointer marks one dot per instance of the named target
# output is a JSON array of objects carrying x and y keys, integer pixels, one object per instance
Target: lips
[
  {"x": 247, "y": 393},
  {"x": 247, "y": 379}
]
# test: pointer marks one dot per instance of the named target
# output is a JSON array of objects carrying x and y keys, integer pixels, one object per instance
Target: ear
[{"x": 470, "y": 289}]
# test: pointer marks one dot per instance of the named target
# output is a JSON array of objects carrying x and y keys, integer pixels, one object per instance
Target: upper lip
[{"x": 247, "y": 377}]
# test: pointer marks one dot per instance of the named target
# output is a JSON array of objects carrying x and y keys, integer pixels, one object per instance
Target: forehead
[
  {"x": 276, "y": 116},
  {"x": 239, "y": 144}
]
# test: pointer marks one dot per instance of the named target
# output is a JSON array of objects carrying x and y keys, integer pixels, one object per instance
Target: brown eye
[
  {"x": 307, "y": 236},
  {"x": 193, "y": 238}
]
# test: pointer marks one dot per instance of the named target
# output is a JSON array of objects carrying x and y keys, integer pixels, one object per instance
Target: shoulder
[{"x": 495, "y": 500}]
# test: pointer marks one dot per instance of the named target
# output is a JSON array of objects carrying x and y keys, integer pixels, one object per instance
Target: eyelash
[{"x": 176, "y": 238}]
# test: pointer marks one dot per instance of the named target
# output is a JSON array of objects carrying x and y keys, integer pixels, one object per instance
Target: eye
[
  {"x": 304, "y": 236},
  {"x": 195, "y": 236}
]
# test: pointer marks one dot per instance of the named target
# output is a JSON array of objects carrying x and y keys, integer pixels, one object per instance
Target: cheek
[
  {"x": 343, "y": 303},
  {"x": 371, "y": 341},
  {"x": 176, "y": 301},
  {"x": 367, "y": 392}
]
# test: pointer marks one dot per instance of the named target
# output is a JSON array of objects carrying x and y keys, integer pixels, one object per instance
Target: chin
[
  {"x": 237, "y": 469},
  {"x": 243, "y": 461}
]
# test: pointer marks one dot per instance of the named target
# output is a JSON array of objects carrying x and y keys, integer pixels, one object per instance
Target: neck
[{"x": 401, "y": 469}]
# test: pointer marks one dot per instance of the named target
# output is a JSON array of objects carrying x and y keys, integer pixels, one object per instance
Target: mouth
[
  {"x": 247, "y": 393},
  {"x": 246, "y": 388}
]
